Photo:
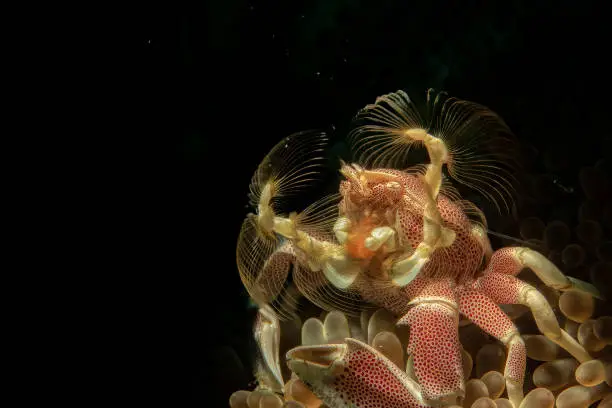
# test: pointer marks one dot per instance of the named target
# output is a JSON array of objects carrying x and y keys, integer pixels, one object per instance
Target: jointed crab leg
[
  {"x": 507, "y": 289},
  {"x": 512, "y": 260},
  {"x": 438, "y": 155}
]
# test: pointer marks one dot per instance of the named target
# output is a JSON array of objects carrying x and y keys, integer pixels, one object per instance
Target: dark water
[{"x": 224, "y": 80}]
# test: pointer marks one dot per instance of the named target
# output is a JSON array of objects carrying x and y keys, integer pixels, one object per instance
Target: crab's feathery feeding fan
[
  {"x": 378, "y": 139},
  {"x": 480, "y": 145},
  {"x": 292, "y": 164},
  {"x": 265, "y": 259},
  {"x": 320, "y": 216}
]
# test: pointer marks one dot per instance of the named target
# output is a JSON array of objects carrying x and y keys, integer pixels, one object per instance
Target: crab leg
[
  {"x": 438, "y": 155},
  {"x": 488, "y": 316},
  {"x": 507, "y": 289},
  {"x": 512, "y": 260}
]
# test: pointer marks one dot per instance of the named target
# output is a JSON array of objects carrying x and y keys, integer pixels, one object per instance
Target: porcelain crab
[{"x": 400, "y": 238}]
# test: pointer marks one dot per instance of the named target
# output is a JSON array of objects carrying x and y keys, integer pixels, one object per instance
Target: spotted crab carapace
[{"x": 400, "y": 238}]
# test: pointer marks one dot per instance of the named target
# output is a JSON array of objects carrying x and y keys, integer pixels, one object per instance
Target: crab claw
[
  {"x": 353, "y": 374},
  {"x": 267, "y": 335},
  {"x": 435, "y": 349}
]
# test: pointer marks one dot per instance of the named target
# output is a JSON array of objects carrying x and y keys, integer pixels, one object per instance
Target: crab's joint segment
[
  {"x": 435, "y": 235},
  {"x": 342, "y": 227},
  {"x": 265, "y": 213},
  {"x": 438, "y": 155},
  {"x": 381, "y": 236},
  {"x": 514, "y": 372},
  {"x": 547, "y": 322},
  {"x": 269, "y": 221},
  {"x": 515, "y": 392},
  {"x": 550, "y": 274},
  {"x": 435, "y": 348},
  {"x": 285, "y": 227},
  {"x": 320, "y": 255}
]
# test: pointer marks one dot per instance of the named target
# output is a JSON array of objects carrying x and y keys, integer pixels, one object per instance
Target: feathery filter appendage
[
  {"x": 264, "y": 261},
  {"x": 292, "y": 164},
  {"x": 263, "y": 256},
  {"x": 483, "y": 153},
  {"x": 319, "y": 217},
  {"x": 478, "y": 150},
  {"x": 379, "y": 139}
]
